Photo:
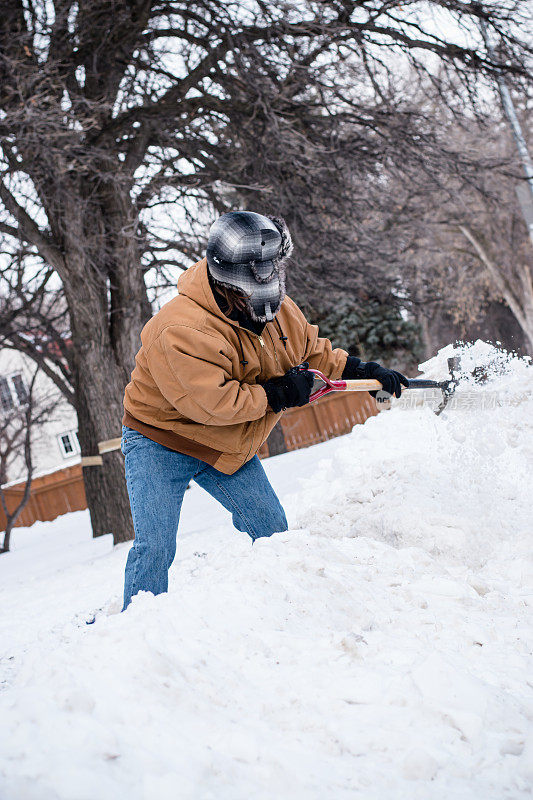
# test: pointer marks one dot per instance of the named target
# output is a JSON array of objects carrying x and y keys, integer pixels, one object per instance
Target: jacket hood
[{"x": 194, "y": 283}]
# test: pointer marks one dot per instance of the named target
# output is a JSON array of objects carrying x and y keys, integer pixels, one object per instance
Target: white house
[{"x": 56, "y": 443}]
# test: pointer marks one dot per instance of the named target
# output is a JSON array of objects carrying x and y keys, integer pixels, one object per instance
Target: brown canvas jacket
[{"x": 195, "y": 386}]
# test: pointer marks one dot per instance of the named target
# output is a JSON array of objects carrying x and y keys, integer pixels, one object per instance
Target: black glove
[
  {"x": 292, "y": 389},
  {"x": 389, "y": 378}
]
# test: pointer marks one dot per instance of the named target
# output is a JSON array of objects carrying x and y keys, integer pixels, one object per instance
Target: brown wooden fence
[
  {"x": 62, "y": 491},
  {"x": 52, "y": 494}
]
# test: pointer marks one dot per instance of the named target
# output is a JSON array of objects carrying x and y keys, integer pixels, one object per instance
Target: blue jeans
[{"x": 157, "y": 479}]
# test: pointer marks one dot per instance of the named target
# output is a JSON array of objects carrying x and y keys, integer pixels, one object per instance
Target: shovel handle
[{"x": 364, "y": 385}]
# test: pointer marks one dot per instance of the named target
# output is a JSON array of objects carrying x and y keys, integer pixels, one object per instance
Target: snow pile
[
  {"x": 458, "y": 485},
  {"x": 480, "y": 360},
  {"x": 486, "y": 377},
  {"x": 378, "y": 649}
]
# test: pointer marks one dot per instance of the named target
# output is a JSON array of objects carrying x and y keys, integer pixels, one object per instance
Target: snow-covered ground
[{"x": 379, "y": 649}]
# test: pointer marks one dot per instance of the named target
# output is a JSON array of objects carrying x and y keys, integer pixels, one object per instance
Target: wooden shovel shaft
[{"x": 363, "y": 385}]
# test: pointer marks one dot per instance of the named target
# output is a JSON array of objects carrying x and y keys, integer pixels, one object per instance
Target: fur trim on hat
[{"x": 286, "y": 247}]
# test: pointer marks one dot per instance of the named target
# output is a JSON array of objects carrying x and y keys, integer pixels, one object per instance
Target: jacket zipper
[
  {"x": 260, "y": 421},
  {"x": 262, "y": 343},
  {"x": 274, "y": 349}
]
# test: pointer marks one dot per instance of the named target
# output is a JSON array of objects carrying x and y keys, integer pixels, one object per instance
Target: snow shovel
[{"x": 371, "y": 385}]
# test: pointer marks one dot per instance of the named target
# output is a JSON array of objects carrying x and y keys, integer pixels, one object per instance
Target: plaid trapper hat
[{"x": 247, "y": 252}]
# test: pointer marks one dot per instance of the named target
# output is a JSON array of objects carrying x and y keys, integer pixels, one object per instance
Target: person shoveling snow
[{"x": 217, "y": 367}]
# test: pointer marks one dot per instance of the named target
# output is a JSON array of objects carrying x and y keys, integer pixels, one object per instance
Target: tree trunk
[
  {"x": 99, "y": 391},
  {"x": 276, "y": 441},
  {"x": 108, "y": 306},
  {"x": 12, "y": 517},
  {"x": 423, "y": 323},
  {"x": 7, "y": 536},
  {"x": 99, "y": 379}
]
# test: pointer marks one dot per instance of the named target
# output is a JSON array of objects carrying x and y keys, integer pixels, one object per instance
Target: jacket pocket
[{"x": 256, "y": 438}]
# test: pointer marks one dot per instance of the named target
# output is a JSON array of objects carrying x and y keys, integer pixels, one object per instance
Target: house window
[
  {"x": 6, "y": 400},
  {"x": 20, "y": 388},
  {"x": 68, "y": 444},
  {"x": 13, "y": 391}
]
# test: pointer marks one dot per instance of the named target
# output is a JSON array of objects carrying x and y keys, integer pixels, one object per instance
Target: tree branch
[{"x": 30, "y": 231}]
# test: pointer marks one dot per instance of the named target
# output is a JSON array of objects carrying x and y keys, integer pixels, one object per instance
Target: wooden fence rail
[{"x": 63, "y": 490}]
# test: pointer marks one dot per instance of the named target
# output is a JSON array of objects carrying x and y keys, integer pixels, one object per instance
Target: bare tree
[
  {"x": 467, "y": 245},
  {"x": 122, "y": 127},
  {"x": 19, "y": 429},
  {"x": 515, "y": 286}
]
